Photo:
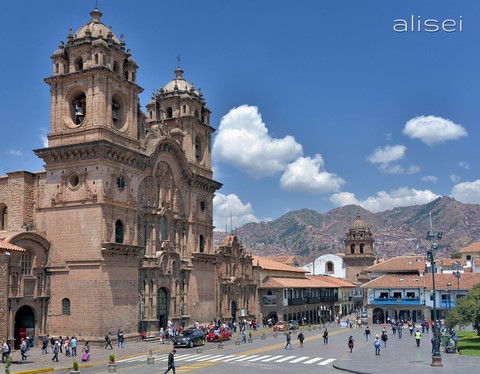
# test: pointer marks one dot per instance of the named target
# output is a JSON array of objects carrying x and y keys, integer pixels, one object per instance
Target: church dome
[
  {"x": 95, "y": 28},
  {"x": 179, "y": 84},
  {"x": 359, "y": 224}
]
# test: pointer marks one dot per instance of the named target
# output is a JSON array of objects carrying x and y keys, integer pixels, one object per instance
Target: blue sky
[{"x": 317, "y": 104}]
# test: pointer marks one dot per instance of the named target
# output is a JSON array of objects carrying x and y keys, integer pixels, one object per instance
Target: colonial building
[{"x": 117, "y": 231}]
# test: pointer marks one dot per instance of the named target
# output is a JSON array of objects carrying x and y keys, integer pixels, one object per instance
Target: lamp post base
[{"x": 437, "y": 361}]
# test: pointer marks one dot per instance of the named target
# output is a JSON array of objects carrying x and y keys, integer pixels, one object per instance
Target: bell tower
[
  {"x": 358, "y": 251},
  {"x": 93, "y": 166},
  {"x": 94, "y": 94}
]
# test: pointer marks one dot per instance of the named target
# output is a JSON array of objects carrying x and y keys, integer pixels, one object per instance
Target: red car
[{"x": 225, "y": 334}]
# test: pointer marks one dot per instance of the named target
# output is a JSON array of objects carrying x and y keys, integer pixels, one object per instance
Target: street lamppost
[
  {"x": 431, "y": 236},
  {"x": 449, "y": 286},
  {"x": 458, "y": 276}
]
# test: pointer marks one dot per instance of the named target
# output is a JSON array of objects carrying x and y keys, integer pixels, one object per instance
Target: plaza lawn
[{"x": 469, "y": 343}]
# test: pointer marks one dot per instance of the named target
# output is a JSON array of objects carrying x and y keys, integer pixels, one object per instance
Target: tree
[
  {"x": 456, "y": 255},
  {"x": 467, "y": 311}
]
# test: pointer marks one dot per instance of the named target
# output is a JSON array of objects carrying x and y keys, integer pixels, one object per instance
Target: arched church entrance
[
  {"x": 162, "y": 307},
  {"x": 24, "y": 326}
]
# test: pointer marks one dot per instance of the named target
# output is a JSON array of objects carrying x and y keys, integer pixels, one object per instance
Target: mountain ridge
[{"x": 308, "y": 234}]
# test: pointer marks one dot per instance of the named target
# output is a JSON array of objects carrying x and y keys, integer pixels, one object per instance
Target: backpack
[{"x": 106, "y": 338}]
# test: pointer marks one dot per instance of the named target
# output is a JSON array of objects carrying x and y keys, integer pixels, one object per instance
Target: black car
[
  {"x": 293, "y": 325},
  {"x": 189, "y": 338}
]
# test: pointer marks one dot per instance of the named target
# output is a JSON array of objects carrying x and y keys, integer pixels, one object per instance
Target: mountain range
[{"x": 308, "y": 234}]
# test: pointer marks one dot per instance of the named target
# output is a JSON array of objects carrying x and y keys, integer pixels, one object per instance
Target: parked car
[
  {"x": 280, "y": 326},
  {"x": 189, "y": 338},
  {"x": 225, "y": 334},
  {"x": 293, "y": 325},
  {"x": 364, "y": 317}
]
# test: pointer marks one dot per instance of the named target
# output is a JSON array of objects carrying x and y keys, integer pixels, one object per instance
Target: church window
[
  {"x": 26, "y": 263},
  {"x": 133, "y": 76},
  {"x": 66, "y": 306},
  {"x": 115, "y": 112},
  {"x": 116, "y": 68},
  {"x": 78, "y": 108},
  {"x": 119, "y": 232},
  {"x": 196, "y": 113},
  {"x": 184, "y": 109},
  {"x": 96, "y": 58},
  {"x": 57, "y": 68},
  {"x": 163, "y": 228},
  {"x": 352, "y": 249},
  {"x": 201, "y": 244},
  {"x": 329, "y": 267},
  {"x": 169, "y": 112},
  {"x": 3, "y": 218},
  {"x": 362, "y": 247},
  {"x": 74, "y": 180},
  {"x": 126, "y": 75},
  {"x": 198, "y": 149},
  {"x": 78, "y": 64}
]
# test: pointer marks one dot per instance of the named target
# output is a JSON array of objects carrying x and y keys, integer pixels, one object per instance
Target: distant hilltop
[{"x": 308, "y": 234}]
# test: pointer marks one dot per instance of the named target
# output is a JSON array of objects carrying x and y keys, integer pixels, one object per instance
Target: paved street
[{"x": 263, "y": 356}]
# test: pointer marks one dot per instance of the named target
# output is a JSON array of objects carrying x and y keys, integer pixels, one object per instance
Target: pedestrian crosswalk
[{"x": 195, "y": 357}]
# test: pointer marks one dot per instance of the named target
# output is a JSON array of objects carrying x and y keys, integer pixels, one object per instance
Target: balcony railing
[
  {"x": 397, "y": 301},
  {"x": 296, "y": 301}
]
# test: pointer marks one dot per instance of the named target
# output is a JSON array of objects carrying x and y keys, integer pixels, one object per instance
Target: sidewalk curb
[{"x": 44, "y": 370}]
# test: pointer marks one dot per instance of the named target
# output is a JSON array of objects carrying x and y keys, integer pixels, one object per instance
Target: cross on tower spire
[{"x": 178, "y": 60}]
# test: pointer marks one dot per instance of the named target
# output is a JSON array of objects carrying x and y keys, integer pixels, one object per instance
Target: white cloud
[
  {"x": 15, "y": 152},
  {"x": 229, "y": 212},
  {"x": 433, "y": 130},
  {"x": 464, "y": 165},
  {"x": 305, "y": 174},
  {"x": 467, "y": 192},
  {"x": 386, "y": 200},
  {"x": 413, "y": 169},
  {"x": 44, "y": 137},
  {"x": 387, "y": 154},
  {"x": 243, "y": 142},
  {"x": 429, "y": 178},
  {"x": 454, "y": 178}
]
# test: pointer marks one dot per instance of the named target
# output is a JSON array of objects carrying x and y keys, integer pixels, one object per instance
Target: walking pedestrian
[
  {"x": 56, "y": 351},
  {"x": 244, "y": 336},
  {"x": 289, "y": 340},
  {"x": 171, "y": 362},
  {"x": 23, "y": 349},
  {"x": 350, "y": 343},
  {"x": 108, "y": 339},
  {"x": 45, "y": 344},
  {"x": 376, "y": 344},
  {"x": 73, "y": 345},
  {"x": 301, "y": 338},
  {"x": 384, "y": 339},
  {"x": 367, "y": 333},
  {"x": 418, "y": 336},
  {"x": 325, "y": 336}
]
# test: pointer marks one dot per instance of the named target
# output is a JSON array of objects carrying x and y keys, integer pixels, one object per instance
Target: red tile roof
[
  {"x": 10, "y": 247},
  {"x": 267, "y": 264},
  {"x": 472, "y": 248},
  {"x": 404, "y": 264},
  {"x": 467, "y": 281}
]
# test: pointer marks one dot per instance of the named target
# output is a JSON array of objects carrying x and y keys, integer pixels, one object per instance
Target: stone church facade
[{"x": 117, "y": 231}]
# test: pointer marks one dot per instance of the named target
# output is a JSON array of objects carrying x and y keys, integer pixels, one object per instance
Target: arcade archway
[{"x": 24, "y": 326}]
